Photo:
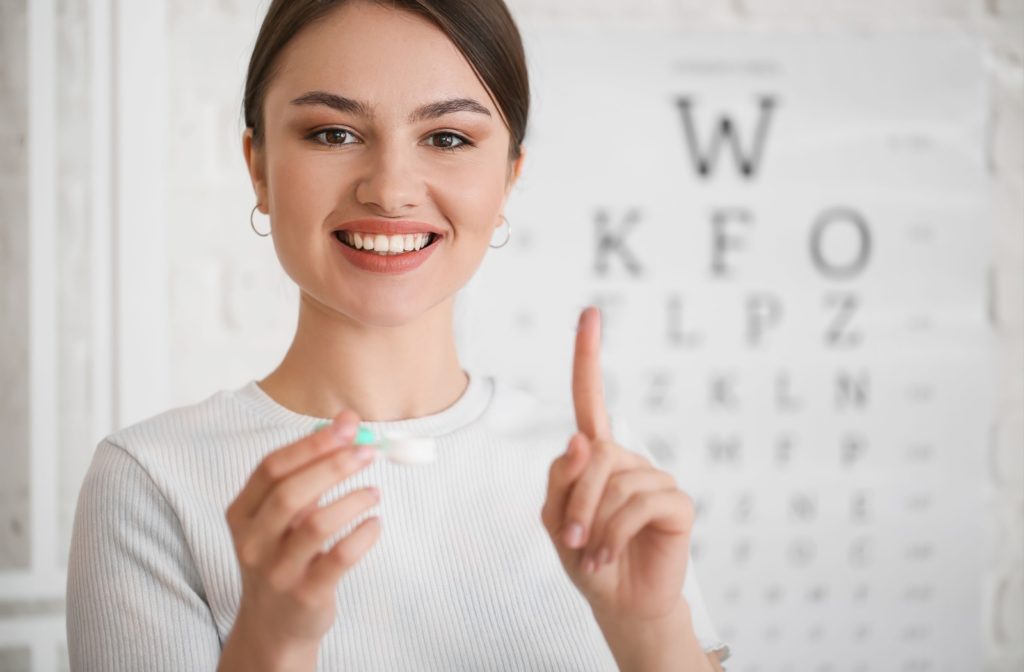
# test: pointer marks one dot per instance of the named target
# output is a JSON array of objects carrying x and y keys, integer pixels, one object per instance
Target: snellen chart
[{"x": 789, "y": 241}]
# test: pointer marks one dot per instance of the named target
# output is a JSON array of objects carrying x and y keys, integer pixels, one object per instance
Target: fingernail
[
  {"x": 574, "y": 535},
  {"x": 345, "y": 429},
  {"x": 603, "y": 556},
  {"x": 574, "y": 445},
  {"x": 364, "y": 452}
]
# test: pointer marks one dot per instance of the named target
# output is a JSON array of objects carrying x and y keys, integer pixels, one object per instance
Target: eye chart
[{"x": 789, "y": 241}]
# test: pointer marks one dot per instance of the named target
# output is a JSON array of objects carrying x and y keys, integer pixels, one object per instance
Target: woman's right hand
[{"x": 288, "y": 582}]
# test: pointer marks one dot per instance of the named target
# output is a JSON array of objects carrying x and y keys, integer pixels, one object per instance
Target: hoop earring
[
  {"x": 253, "y": 225},
  {"x": 508, "y": 237}
]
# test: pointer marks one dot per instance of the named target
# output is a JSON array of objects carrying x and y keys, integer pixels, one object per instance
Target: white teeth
[{"x": 386, "y": 245}]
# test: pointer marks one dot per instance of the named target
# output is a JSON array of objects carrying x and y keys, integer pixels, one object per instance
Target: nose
[{"x": 391, "y": 182}]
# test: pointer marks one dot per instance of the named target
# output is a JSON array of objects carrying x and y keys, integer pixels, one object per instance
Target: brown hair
[{"x": 483, "y": 30}]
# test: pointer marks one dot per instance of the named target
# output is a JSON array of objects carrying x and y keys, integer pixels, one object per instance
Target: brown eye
[
  {"x": 332, "y": 136},
  {"x": 450, "y": 141}
]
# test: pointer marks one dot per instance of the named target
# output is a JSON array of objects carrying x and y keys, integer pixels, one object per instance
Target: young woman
[{"x": 383, "y": 141}]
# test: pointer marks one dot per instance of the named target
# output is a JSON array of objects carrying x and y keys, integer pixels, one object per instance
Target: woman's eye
[
  {"x": 450, "y": 141},
  {"x": 445, "y": 140},
  {"x": 332, "y": 136}
]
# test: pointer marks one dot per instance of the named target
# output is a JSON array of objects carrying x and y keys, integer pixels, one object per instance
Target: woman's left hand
[{"x": 624, "y": 507}]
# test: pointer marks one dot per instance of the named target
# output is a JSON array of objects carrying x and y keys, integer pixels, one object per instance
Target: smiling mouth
[{"x": 343, "y": 238}]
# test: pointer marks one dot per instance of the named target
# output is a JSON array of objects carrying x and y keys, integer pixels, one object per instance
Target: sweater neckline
[{"x": 467, "y": 408}]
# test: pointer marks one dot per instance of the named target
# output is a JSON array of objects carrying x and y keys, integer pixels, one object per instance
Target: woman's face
[{"x": 320, "y": 167}]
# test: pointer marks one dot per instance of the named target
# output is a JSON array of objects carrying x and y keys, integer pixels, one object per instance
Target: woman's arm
[
  {"x": 667, "y": 645},
  {"x": 134, "y": 597},
  {"x": 244, "y": 653}
]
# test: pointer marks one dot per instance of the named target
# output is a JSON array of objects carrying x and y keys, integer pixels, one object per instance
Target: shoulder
[
  {"x": 188, "y": 427},
  {"x": 188, "y": 423},
  {"x": 185, "y": 450}
]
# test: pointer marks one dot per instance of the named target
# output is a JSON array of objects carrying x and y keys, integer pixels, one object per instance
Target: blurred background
[{"x": 804, "y": 222}]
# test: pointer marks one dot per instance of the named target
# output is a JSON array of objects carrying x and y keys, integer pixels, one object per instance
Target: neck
[{"x": 379, "y": 372}]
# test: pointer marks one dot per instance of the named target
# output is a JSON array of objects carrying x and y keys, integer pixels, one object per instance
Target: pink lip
[
  {"x": 392, "y": 264},
  {"x": 389, "y": 227}
]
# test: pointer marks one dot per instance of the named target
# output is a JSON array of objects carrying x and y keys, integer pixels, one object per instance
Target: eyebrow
[{"x": 424, "y": 112}]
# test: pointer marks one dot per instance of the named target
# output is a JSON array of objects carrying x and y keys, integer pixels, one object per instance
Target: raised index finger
[{"x": 587, "y": 386}]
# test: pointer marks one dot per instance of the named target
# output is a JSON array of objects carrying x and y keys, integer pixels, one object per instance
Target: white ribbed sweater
[{"x": 463, "y": 576}]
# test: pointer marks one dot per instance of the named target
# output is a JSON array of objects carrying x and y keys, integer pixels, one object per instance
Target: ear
[
  {"x": 517, "y": 168},
  {"x": 255, "y": 160},
  {"x": 519, "y": 162}
]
